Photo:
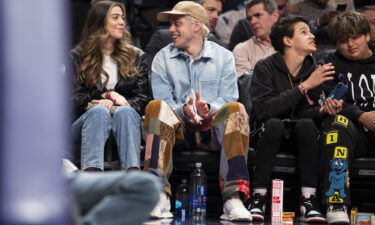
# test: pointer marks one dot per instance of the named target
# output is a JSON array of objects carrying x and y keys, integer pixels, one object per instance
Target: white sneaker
[
  {"x": 163, "y": 208},
  {"x": 158, "y": 222},
  {"x": 68, "y": 166},
  {"x": 234, "y": 210},
  {"x": 337, "y": 213}
]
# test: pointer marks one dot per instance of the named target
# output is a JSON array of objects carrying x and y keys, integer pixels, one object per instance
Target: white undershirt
[{"x": 110, "y": 66}]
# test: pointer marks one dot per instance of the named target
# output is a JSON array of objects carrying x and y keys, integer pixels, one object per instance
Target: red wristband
[{"x": 304, "y": 92}]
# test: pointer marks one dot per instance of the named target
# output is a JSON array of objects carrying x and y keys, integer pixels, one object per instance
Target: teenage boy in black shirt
[
  {"x": 352, "y": 133},
  {"x": 282, "y": 97}
]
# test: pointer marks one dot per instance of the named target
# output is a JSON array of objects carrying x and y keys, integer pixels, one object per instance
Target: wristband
[{"x": 304, "y": 92}]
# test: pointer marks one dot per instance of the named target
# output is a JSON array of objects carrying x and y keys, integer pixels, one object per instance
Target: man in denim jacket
[{"x": 194, "y": 84}]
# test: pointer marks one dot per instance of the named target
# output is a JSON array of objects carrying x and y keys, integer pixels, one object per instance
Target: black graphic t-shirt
[{"x": 360, "y": 77}]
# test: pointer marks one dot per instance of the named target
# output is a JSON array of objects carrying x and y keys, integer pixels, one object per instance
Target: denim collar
[{"x": 206, "y": 52}]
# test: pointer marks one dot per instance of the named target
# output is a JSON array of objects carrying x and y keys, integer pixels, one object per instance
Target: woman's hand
[
  {"x": 320, "y": 75},
  {"x": 116, "y": 98},
  {"x": 103, "y": 102},
  {"x": 331, "y": 107}
]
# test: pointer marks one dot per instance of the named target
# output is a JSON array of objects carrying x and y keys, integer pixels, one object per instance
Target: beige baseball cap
[{"x": 190, "y": 8}]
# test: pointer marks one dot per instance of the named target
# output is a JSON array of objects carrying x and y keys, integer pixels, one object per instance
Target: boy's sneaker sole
[
  {"x": 234, "y": 219},
  {"x": 341, "y": 223},
  {"x": 257, "y": 217},
  {"x": 313, "y": 220}
]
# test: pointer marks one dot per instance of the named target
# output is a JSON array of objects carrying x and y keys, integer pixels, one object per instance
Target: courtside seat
[
  {"x": 184, "y": 163},
  {"x": 363, "y": 168},
  {"x": 362, "y": 181}
]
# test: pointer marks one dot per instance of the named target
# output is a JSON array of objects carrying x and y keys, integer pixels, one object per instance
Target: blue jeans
[
  {"x": 94, "y": 127},
  {"x": 113, "y": 198}
]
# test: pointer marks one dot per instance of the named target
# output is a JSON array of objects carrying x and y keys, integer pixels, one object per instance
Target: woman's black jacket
[{"x": 136, "y": 89}]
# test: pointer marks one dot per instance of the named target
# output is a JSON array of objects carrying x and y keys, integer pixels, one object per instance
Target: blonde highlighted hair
[{"x": 204, "y": 29}]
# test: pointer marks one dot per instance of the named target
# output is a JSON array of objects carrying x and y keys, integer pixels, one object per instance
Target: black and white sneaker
[
  {"x": 310, "y": 211},
  {"x": 337, "y": 214},
  {"x": 257, "y": 206}
]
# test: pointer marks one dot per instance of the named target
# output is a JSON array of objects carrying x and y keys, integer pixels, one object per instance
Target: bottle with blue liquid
[{"x": 198, "y": 193}]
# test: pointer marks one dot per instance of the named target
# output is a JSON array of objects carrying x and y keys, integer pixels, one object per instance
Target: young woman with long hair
[{"x": 110, "y": 88}]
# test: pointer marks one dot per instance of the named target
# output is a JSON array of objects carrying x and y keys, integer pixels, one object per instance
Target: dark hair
[
  {"x": 269, "y": 5},
  {"x": 348, "y": 25},
  {"x": 284, "y": 28},
  {"x": 366, "y": 7}
]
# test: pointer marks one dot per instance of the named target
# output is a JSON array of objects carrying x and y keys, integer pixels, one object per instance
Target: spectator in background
[
  {"x": 194, "y": 84},
  {"x": 346, "y": 5},
  {"x": 369, "y": 12},
  {"x": 242, "y": 32},
  {"x": 162, "y": 37},
  {"x": 286, "y": 104},
  {"x": 309, "y": 9},
  {"x": 261, "y": 14},
  {"x": 228, "y": 20},
  {"x": 110, "y": 88},
  {"x": 350, "y": 134},
  {"x": 341, "y": 5},
  {"x": 282, "y": 7}
]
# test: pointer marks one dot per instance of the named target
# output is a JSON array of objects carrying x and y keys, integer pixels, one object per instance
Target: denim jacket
[{"x": 175, "y": 76}]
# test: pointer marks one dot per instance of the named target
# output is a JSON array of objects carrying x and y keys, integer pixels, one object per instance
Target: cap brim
[{"x": 165, "y": 16}]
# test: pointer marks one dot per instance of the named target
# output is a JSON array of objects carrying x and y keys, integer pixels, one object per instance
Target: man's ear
[
  {"x": 197, "y": 26},
  {"x": 287, "y": 41},
  {"x": 275, "y": 15}
]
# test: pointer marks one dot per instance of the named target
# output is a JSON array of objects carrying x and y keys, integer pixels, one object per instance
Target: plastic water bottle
[
  {"x": 182, "y": 201},
  {"x": 198, "y": 193}
]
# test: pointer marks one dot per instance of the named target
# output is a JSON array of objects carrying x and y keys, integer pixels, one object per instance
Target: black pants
[
  {"x": 301, "y": 137},
  {"x": 340, "y": 141}
]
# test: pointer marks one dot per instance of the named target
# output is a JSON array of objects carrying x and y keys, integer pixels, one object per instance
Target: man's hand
[
  {"x": 201, "y": 105},
  {"x": 331, "y": 106},
  {"x": 367, "y": 119},
  {"x": 320, "y": 75},
  {"x": 189, "y": 111},
  {"x": 103, "y": 102}
]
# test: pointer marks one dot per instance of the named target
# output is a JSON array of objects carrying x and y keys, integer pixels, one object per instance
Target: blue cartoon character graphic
[{"x": 337, "y": 177}]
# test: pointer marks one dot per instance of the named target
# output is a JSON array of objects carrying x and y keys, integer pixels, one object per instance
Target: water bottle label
[
  {"x": 201, "y": 190},
  {"x": 178, "y": 204},
  {"x": 195, "y": 201},
  {"x": 198, "y": 202},
  {"x": 183, "y": 215}
]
